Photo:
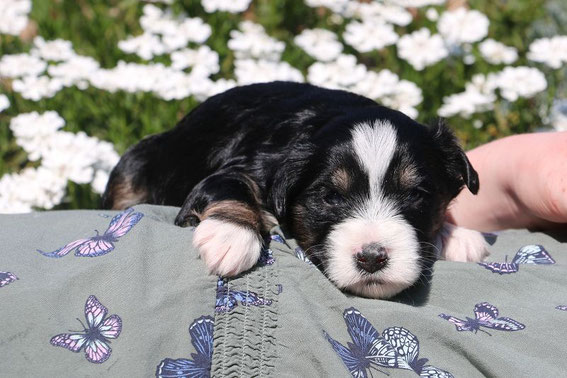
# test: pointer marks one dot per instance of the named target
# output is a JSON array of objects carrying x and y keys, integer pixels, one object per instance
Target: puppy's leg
[
  {"x": 462, "y": 244},
  {"x": 226, "y": 209}
]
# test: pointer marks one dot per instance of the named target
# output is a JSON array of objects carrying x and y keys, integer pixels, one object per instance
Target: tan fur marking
[
  {"x": 234, "y": 211},
  {"x": 408, "y": 176},
  {"x": 341, "y": 179},
  {"x": 124, "y": 195},
  {"x": 303, "y": 236}
]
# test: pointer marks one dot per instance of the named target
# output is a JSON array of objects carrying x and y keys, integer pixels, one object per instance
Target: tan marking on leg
[
  {"x": 124, "y": 195},
  {"x": 233, "y": 211}
]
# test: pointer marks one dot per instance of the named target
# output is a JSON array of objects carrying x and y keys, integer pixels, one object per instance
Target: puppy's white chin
[
  {"x": 395, "y": 235},
  {"x": 226, "y": 248},
  {"x": 377, "y": 290}
]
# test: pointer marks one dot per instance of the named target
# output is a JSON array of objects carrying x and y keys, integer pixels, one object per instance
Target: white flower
[
  {"x": 337, "y": 6},
  {"x": 203, "y": 60},
  {"x": 14, "y": 16},
  {"x": 417, "y": 3},
  {"x": 378, "y": 12},
  {"x": 321, "y": 44},
  {"x": 33, "y": 131},
  {"x": 37, "y": 87},
  {"x": 551, "y": 51},
  {"x": 421, "y": 49},
  {"x": 342, "y": 73},
  {"x": 498, "y": 53},
  {"x": 4, "y": 102},
  {"x": 515, "y": 82},
  {"x": 30, "y": 188},
  {"x": 248, "y": 71},
  {"x": 231, "y": 6},
  {"x": 99, "y": 182},
  {"x": 371, "y": 34},
  {"x": 376, "y": 85},
  {"x": 405, "y": 97},
  {"x": 253, "y": 42},
  {"x": 175, "y": 31},
  {"x": 56, "y": 50},
  {"x": 559, "y": 115},
  {"x": 462, "y": 26},
  {"x": 467, "y": 103},
  {"x": 432, "y": 14},
  {"x": 18, "y": 65},
  {"x": 76, "y": 71},
  {"x": 387, "y": 88},
  {"x": 145, "y": 46}
]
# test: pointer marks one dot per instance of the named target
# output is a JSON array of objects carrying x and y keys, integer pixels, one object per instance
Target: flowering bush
[{"x": 82, "y": 81}]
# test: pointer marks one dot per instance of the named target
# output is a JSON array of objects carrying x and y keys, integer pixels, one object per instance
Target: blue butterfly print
[
  {"x": 99, "y": 245},
  {"x": 7, "y": 278},
  {"x": 277, "y": 238},
  {"x": 266, "y": 257},
  {"x": 562, "y": 308},
  {"x": 406, "y": 346},
  {"x": 300, "y": 254},
  {"x": 486, "y": 315},
  {"x": 529, "y": 254},
  {"x": 228, "y": 298},
  {"x": 395, "y": 348},
  {"x": 201, "y": 332}
]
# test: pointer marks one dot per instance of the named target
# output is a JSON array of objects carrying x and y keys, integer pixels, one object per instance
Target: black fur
[{"x": 274, "y": 147}]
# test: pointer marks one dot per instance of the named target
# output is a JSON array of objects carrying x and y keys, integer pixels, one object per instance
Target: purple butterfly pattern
[
  {"x": 99, "y": 245},
  {"x": 228, "y": 298},
  {"x": 201, "y": 332},
  {"x": 396, "y": 348},
  {"x": 561, "y": 308},
  {"x": 7, "y": 278},
  {"x": 486, "y": 315},
  {"x": 529, "y": 254},
  {"x": 96, "y": 336},
  {"x": 266, "y": 257}
]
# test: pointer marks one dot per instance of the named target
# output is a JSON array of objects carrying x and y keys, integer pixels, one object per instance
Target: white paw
[
  {"x": 462, "y": 244},
  {"x": 226, "y": 248}
]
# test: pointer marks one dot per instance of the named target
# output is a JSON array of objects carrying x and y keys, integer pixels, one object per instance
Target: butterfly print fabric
[
  {"x": 201, "y": 332},
  {"x": 396, "y": 348},
  {"x": 96, "y": 335},
  {"x": 99, "y": 245},
  {"x": 529, "y": 254},
  {"x": 7, "y": 278},
  {"x": 486, "y": 315},
  {"x": 228, "y": 298}
]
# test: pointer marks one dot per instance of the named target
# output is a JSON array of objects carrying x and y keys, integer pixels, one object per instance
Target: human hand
[{"x": 523, "y": 184}]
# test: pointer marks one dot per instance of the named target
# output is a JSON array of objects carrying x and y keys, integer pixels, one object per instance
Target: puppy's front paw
[
  {"x": 227, "y": 248},
  {"x": 462, "y": 244}
]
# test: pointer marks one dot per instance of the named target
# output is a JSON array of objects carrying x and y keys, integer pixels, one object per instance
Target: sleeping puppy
[{"x": 362, "y": 188}]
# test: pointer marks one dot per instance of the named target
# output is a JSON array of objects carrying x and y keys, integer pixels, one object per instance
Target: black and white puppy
[{"x": 362, "y": 188}]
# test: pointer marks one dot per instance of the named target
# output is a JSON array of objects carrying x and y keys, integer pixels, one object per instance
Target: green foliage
[{"x": 95, "y": 27}]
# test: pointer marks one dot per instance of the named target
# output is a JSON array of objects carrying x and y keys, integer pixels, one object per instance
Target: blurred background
[{"x": 82, "y": 80}]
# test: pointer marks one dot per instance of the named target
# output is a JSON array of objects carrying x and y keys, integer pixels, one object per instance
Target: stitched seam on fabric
[
  {"x": 242, "y": 362},
  {"x": 264, "y": 314},
  {"x": 225, "y": 333}
]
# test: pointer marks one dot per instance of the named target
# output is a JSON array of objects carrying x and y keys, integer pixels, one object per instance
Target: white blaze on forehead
[{"x": 374, "y": 145}]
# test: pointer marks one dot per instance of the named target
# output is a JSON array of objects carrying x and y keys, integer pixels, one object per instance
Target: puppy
[{"x": 362, "y": 188}]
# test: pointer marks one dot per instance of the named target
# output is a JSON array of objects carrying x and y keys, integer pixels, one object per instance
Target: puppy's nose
[{"x": 372, "y": 258}]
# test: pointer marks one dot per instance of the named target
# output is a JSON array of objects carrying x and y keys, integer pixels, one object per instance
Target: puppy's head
[{"x": 367, "y": 196}]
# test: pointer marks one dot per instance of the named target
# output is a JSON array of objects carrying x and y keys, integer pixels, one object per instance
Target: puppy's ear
[
  {"x": 286, "y": 179},
  {"x": 458, "y": 164}
]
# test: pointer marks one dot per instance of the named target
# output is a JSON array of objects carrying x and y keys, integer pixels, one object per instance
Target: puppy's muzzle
[{"x": 372, "y": 258}]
